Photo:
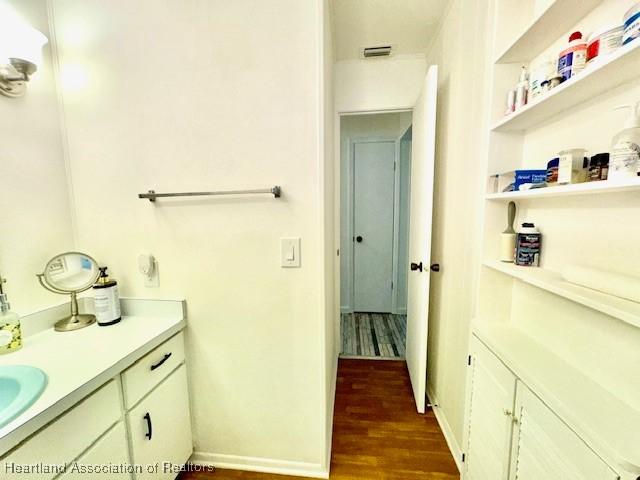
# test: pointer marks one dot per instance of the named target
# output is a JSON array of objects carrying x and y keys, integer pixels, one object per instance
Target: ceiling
[{"x": 408, "y": 25}]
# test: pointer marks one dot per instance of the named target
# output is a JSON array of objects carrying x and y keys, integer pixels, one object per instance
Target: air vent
[{"x": 381, "y": 51}]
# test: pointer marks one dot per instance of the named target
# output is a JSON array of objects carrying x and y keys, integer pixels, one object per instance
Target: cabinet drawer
[
  {"x": 68, "y": 436},
  {"x": 109, "y": 450},
  {"x": 160, "y": 427},
  {"x": 150, "y": 370}
]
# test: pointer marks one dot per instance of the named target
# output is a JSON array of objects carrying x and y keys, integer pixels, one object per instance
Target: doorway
[{"x": 375, "y": 158}]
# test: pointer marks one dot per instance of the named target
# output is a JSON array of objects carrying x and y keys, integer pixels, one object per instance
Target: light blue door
[{"x": 374, "y": 183}]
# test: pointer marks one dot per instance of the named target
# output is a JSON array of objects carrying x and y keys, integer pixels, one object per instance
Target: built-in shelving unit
[
  {"x": 550, "y": 24},
  {"x": 590, "y": 188},
  {"x": 572, "y": 346},
  {"x": 618, "y": 68},
  {"x": 553, "y": 282}
]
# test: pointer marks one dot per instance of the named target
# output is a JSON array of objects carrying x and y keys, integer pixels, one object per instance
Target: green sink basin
[{"x": 20, "y": 387}]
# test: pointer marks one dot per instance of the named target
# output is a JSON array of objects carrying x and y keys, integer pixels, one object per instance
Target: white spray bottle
[{"x": 625, "y": 147}]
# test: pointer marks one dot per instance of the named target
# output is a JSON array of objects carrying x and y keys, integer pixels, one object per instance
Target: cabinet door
[
  {"x": 545, "y": 447},
  {"x": 110, "y": 451},
  {"x": 160, "y": 427},
  {"x": 489, "y": 416}
]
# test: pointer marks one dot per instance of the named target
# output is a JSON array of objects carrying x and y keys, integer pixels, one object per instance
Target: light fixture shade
[{"x": 18, "y": 39}]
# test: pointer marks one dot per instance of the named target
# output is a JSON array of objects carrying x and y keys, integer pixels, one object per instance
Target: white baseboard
[
  {"x": 452, "y": 443},
  {"x": 263, "y": 465}
]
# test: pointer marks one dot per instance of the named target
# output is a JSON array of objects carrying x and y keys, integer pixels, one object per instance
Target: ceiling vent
[{"x": 381, "y": 51}]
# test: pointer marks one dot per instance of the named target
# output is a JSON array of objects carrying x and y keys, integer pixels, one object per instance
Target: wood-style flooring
[
  {"x": 377, "y": 434},
  {"x": 373, "y": 335}
]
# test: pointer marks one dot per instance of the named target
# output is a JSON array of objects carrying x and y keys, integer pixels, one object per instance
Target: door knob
[
  {"x": 359, "y": 239},
  {"x": 416, "y": 266},
  {"x": 435, "y": 267}
]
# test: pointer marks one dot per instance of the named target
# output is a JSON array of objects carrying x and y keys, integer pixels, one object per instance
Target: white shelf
[
  {"x": 603, "y": 420},
  {"x": 552, "y": 282},
  {"x": 589, "y": 188},
  {"x": 551, "y": 24},
  {"x": 616, "y": 69}
]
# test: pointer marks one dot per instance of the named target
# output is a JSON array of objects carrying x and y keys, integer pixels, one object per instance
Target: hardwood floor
[{"x": 377, "y": 433}]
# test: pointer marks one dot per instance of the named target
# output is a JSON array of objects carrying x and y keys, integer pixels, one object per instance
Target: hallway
[{"x": 377, "y": 433}]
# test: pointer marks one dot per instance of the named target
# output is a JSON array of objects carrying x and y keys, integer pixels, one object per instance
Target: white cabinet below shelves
[
  {"x": 160, "y": 427},
  {"x": 489, "y": 426},
  {"x": 544, "y": 447},
  {"x": 512, "y": 435}
]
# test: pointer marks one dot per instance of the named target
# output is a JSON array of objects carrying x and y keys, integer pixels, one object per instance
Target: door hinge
[
  {"x": 394, "y": 166},
  {"x": 392, "y": 285},
  {"x": 464, "y": 457},
  {"x": 469, "y": 360}
]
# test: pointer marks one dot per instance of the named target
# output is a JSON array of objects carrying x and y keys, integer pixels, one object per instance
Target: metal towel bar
[{"x": 151, "y": 195}]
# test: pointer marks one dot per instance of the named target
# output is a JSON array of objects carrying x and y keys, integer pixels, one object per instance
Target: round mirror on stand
[{"x": 71, "y": 273}]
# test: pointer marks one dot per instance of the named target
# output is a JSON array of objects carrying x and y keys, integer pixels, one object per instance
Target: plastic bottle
[
  {"x": 522, "y": 89},
  {"x": 625, "y": 148},
  {"x": 10, "y": 331},
  {"x": 107, "y": 300},
  {"x": 573, "y": 57}
]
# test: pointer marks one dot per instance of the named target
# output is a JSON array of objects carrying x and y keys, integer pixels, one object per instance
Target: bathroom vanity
[{"x": 116, "y": 399}]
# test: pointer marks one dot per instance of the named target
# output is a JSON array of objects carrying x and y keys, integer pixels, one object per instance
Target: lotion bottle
[
  {"x": 107, "y": 300},
  {"x": 624, "y": 162},
  {"x": 10, "y": 331}
]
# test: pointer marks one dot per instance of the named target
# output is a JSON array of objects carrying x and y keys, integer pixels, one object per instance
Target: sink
[{"x": 20, "y": 387}]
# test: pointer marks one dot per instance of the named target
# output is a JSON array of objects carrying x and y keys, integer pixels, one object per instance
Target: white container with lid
[
  {"x": 573, "y": 58},
  {"x": 631, "y": 24},
  {"x": 604, "y": 41}
]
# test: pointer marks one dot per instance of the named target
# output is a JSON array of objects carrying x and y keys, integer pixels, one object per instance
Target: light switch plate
[{"x": 290, "y": 252}]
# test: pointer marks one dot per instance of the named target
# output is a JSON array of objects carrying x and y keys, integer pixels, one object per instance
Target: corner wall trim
[
  {"x": 454, "y": 448},
  {"x": 257, "y": 464}
]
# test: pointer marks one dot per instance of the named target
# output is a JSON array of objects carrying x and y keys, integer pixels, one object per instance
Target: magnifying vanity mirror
[{"x": 71, "y": 273}]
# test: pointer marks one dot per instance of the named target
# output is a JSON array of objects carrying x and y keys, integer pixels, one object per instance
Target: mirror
[
  {"x": 35, "y": 210},
  {"x": 72, "y": 273}
]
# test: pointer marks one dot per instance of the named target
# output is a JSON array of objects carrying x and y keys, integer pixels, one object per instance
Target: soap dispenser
[
  {"x": 107, "y": 300},
  {"x": 10, "y": 332},
  {"x": 625, "y": 148}
]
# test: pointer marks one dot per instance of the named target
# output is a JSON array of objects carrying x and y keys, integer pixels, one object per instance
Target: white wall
[
  {"x": 383, "y": 125},
  {"x": 458, "y": 52},
  {"x": 34, "y": 204},
  {"x": 185, "y": 95},
  {"x": 378, "y": 84}
]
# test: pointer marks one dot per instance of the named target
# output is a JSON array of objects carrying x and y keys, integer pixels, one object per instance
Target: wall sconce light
[{"x": 20, "y": 52}]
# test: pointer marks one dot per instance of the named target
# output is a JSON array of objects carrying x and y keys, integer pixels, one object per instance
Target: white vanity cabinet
[
  {"x": 160, "y": 427},
  {"x": 158, "y": 416},
  {"x": 110, "y": 451},
  {"x": 138, "y": 418},
  {"x": 512, "y": 435}
]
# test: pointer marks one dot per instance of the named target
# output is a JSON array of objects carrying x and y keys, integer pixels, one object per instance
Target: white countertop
[
  {"x": 76, "y": 363},
  {"x": 609, "y": 425}
]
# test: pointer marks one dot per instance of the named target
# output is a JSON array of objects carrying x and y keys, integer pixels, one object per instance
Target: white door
[
  {"x": 373, "y": 197},
  {"x": 420, "y": 213},
  {"x": 489, "y": 417},
  {"x": 160, "y": 426},
  {"x": 545, "y": 448}
]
